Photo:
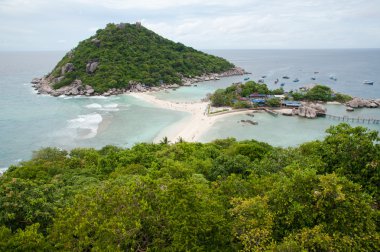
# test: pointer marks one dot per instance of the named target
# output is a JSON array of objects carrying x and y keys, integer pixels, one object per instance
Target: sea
[{"x": 29, "y": 122}]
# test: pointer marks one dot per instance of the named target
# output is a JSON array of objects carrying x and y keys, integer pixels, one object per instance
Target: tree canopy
[{"x": 226, "y": 195}]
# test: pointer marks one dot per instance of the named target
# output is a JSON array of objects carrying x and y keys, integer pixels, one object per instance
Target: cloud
[{"x": 201, "y": 24}]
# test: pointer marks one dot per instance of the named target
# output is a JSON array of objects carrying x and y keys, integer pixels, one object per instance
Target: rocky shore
[
  {"x": 363, "y": 103},
  {"x": 45, "y": 84},
  {"x": 307, "y": 110}
]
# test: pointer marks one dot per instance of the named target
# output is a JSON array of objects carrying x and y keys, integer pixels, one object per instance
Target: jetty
[
  {"x": 354, "y": 119},
  {"x": 271, "y": 112}
]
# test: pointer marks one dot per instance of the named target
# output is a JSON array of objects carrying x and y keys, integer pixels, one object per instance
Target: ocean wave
[
  {"x": 94, "y": 106},
  {"x": 86, "y": 125}
]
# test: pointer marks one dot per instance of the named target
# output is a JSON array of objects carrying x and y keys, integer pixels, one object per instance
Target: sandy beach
[{"x": 191, "y": 127}]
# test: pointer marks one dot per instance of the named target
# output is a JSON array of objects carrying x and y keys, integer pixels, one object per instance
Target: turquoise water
[
  {"x": 281, "y": 130},
  {"x": 29, "y": 121}
]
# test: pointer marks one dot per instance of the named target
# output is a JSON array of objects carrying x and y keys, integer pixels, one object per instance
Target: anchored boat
[{"x": 368, "y": 82}]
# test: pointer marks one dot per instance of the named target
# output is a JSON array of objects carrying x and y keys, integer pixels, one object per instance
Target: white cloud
[{"x": 199, "y": 23}]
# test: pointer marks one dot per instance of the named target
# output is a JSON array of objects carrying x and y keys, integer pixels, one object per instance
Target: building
[
  {"x": 291, "y": 104},
  {"x": 256, "y": 95}
]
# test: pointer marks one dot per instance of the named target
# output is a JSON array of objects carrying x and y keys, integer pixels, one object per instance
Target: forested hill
[
  {"x": 122, "y": 53},
  {"x": 220, "y": 196}
]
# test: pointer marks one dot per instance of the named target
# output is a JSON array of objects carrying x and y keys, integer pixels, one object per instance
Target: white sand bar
[{"x": 190, "y": 128}]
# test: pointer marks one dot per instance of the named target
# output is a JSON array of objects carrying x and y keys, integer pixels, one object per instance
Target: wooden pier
[
  {"x": 354, "y": 119},
  {"x": 271, "y": 112}
]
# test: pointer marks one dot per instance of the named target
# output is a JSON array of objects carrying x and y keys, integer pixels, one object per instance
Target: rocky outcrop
[
  {"x": 91, "y": 67},
  {"x": 96, "y": 42},
  {"x": 45, "y": 85},
  {"x": 307, "y": 112},
  {"x": 363, "y": 103},
  {"x": 311, "y": 110},
  {"x": 67, "y": 68},
  {"x": 187, "y": 81}
]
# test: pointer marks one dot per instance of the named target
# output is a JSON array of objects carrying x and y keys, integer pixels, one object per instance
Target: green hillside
[
  {"x": 121, "y": 53},
  {"x": 221, "y": 196}
]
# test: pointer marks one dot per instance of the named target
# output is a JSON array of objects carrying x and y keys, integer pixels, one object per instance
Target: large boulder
[
  {"x": 362, "y": 103},
  {"x": 96, "y": 41},
  {"x": 307, "y": 112},
  {"x": 91, "y": 67},
  {"x": 354, "y": 103},
  {"x": 67, "y": 68},
  {"x": 36, "y": 80}
]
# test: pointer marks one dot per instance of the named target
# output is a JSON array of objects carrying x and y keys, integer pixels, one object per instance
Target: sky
[{"x": 34, "y": 25}]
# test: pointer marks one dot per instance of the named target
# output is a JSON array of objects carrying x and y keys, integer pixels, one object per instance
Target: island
[
  {"x": 129, "y": 57},
  {"x": 306, "y": 102}
]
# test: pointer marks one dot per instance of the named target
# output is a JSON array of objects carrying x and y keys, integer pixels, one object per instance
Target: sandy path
[{"x": 189, "y": 128}]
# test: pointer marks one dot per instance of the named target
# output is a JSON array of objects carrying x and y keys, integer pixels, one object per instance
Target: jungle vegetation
[
  {"x": 131, "y": 52},
  {"x": 226, "y": 195},
  {"x": 232, "y": 95}
]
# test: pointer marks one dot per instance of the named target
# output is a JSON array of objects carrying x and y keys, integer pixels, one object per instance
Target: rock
[
  {"x": 354, "y": 103},
  {"x": 91, "y": 67},
  {"x": 373, "y": 105},
  {"x": 121, "y": 25},
  {"x": 56, "y": 80},
  {"x": 360, "y": 103},
  {"x": 307, "y": 112},
  {"x": 67, "y": 68},
  {"x": 89, "y": 90},
  {"x": 70, "y": 54},
  {"x": 36, "y": 81},
  {"x": 96, "y": 41}
]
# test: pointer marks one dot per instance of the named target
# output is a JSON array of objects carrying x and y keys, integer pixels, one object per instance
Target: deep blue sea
[{"x": 29, "y": 121}]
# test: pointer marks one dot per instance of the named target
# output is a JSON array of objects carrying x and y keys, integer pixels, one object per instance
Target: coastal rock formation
[
  {"x": 43, "y": 86},
  {"x": 363, "y": 103},
  {"x": 91, "y": 67},
  {"x": 188, "y": 81},
  {"x": 96, "y": 42},
  {"x": 311, "y": 110},
  {"x": 307, "y": 112},
  {"x": 69, "y": 67}
]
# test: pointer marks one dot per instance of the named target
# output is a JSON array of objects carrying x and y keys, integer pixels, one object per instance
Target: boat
[
  {"x": 260, "y": 81},
  {"x": 264, "y": 76},
  {"x": 316, "y": 72},
  {"x": 313, "y": 78},
  {"x": 276, "y": 81},
  {"x": 333, "y": 78},
  {"x": 285, "y": 77},
  {"x": 282, "y": 84},
  {"x": 349, "y": 109},
  {"x": 296, "y": 80},
  {"x": 246, "y": 78},
  {"x": 368, "y": 82}
]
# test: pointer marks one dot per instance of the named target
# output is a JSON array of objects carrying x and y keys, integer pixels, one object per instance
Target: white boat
[{"x": 368, "y": 82}]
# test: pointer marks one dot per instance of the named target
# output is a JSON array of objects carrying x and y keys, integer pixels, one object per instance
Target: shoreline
[
  {"x": 45, "y": 84},
  {"x": 190, "y": 128}
]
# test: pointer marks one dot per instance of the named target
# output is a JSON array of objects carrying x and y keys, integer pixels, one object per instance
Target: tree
[
  {"x": 319, "y": 93},
  {"x": 273, "y": 102}
]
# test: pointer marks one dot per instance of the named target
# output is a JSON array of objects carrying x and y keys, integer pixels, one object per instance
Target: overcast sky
[{"x": 203, "y": 24}]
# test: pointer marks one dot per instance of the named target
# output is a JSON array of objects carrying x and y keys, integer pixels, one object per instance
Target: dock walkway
[{"x": 354, "y": 119}]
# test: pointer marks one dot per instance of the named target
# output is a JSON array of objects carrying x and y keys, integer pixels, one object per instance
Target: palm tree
[
  {"x": 165, "y": 140},
  {"x": 180, "y": 140}
]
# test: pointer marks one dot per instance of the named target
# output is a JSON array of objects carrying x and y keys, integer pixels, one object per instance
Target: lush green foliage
[
  {"x": 320, "y": 93},
  {"x": 220, "y": 196},
  {"x": 227, "y": 96},
  {"x": 133, "y": 53}
]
